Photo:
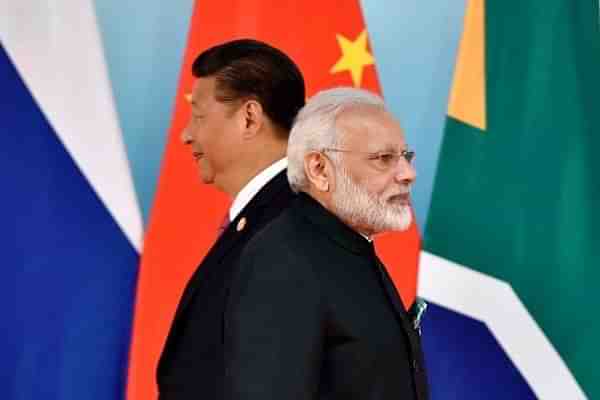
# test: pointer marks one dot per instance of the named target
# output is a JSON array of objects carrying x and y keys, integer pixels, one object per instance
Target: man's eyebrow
[{"x": 389, "y": 148}]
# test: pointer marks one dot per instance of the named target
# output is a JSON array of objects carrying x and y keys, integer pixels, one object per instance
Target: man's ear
[
  {"x": 319, "y": 171},
  {"x": 252, "y": 115}
]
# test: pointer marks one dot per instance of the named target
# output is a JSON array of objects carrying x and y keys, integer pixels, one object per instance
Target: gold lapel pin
[
  {"x": 188, "y": 97},
  {"x": 241, "y": 224}
]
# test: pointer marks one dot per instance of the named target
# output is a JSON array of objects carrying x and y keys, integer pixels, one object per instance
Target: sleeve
[{"x": 273, "y": 332}]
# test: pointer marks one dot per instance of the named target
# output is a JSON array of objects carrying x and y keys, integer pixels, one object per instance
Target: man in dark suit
[
  {"x": 312, "y": 313},
  {"x": 244, "y": 100}
]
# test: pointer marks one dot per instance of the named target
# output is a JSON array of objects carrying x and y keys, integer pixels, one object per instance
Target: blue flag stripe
[
  {"x": 69, "y": 272},
  {"x": 465, "y": 361}
]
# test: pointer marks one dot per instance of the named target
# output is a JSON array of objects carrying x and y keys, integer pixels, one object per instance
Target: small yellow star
[{"x": 355, "y": 56}]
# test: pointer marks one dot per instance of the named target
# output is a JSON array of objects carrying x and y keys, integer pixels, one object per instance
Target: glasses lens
[{"x": 408, "y": 155}]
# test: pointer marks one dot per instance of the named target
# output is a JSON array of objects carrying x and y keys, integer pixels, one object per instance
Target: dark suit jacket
[
  {"x": 312, "y": 314},
  {"x": 192, "y": 365}
]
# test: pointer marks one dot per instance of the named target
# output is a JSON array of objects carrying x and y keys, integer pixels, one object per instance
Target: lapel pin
[{"x": 241, "y": 224}]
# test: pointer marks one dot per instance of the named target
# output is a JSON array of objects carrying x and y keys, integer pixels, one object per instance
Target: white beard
[{"x": 359, "y": 208}]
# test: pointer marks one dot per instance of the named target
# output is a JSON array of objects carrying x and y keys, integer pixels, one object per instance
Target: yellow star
[{"x": 355, "y": 56}]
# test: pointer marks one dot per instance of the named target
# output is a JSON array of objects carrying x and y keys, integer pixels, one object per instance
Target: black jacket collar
[{"x": 331, "y": 226}]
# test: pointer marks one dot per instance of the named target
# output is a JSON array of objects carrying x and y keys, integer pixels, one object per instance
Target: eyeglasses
[{"x": 381, "y": 159}]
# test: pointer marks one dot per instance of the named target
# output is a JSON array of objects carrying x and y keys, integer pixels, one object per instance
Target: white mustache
[{"x": 405, "y": 192}]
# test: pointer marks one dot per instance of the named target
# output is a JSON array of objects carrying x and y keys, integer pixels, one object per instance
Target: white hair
[{"x": 314, "y": 127}]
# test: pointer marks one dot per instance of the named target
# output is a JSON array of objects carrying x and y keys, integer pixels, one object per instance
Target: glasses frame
[{"x": 408, "y": 155}]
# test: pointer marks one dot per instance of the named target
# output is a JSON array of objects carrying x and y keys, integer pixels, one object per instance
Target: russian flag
[{"x": 71, "y": 225}]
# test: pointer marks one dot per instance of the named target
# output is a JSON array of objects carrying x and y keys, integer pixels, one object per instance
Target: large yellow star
[{"x": 355, "y": 57}]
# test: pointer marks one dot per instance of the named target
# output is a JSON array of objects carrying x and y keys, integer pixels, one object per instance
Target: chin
[
  {"x": 399, "y": 220},
  {"x": 207, "y": 179},
  {"x": 405, "y": 220},
  {"x": 206, "y": 175}
]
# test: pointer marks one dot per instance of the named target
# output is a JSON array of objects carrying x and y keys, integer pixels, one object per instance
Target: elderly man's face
[
  {"x": 372, "y": 181},
  {"x": 212, "y": 132}
]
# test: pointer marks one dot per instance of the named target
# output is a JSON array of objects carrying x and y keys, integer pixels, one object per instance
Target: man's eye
[{"x": 386, "y": 158}]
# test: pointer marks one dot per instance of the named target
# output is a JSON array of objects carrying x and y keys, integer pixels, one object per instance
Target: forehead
[
  {"x": 369, "y": 128},
  {"x": 203, "y": 91}
]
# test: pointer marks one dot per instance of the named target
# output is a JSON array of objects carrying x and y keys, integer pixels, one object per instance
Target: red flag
[{"x": 330, "y": 45}]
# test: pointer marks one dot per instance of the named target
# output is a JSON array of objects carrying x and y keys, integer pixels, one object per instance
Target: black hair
[{"x": 248, "y": 68}]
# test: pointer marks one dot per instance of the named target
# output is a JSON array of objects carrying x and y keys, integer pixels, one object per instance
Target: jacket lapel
[
  {"x": 233, "y": 236},
  {"x": 226, "y": 241}
]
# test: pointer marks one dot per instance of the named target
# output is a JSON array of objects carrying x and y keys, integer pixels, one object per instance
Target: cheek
[
  {"x": 374, "y": 184},
  {"x": 206, "y": 136},
  {"x": 379, "y": 185}
]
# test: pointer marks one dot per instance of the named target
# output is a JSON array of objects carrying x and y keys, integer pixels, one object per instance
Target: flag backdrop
[
  {"x": 509, "y": 260},
  {"x": 185, "y": 215},
  {"x": 516, "y": 192},
  {"x": 71, "y": 226}
]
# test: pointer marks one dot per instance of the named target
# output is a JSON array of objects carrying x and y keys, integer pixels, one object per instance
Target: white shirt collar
[
  {"x": 369, "y": 239},
  {"x": 253, "y": 187}
]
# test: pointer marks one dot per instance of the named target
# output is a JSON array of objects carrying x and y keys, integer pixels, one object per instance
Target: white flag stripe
[
  {"x": 57, "y": 50},
  {"x": 496, "y": 304}
]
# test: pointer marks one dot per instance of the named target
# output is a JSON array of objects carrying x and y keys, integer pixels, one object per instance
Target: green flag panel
[{"x": 521, "y": 201}]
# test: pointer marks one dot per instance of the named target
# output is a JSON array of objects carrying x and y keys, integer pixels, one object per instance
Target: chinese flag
[{"x": 330, "y": 45}]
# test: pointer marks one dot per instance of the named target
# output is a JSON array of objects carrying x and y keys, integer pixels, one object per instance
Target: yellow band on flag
[{"x": 467, "y": 97}]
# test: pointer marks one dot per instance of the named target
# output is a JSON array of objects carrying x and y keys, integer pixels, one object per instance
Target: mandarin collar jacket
[{"x": 312, "y": 314}]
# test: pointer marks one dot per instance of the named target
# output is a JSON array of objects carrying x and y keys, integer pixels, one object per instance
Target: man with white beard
[{"x": 312, "y": 313}]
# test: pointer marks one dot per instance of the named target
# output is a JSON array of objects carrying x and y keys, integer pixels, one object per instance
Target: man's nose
[{"x": 405, "y": 171}]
